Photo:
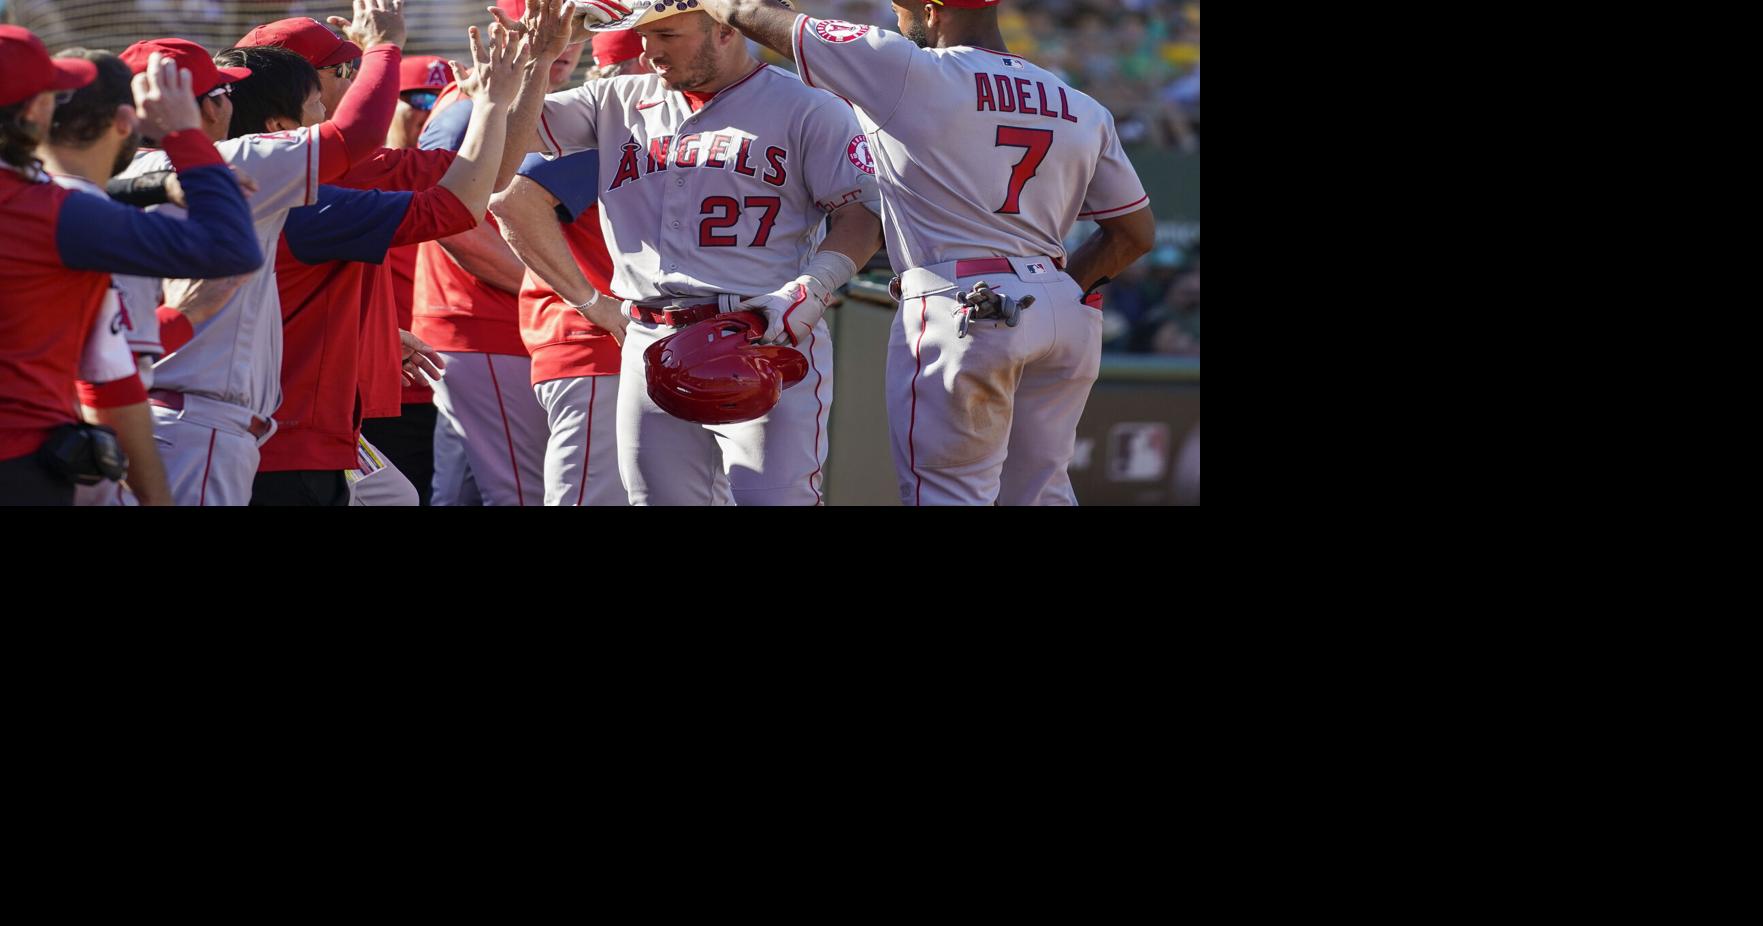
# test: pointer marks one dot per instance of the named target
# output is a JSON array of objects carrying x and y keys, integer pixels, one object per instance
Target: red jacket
[
  {"x": 562, "y": 342},
  {"x": 455, "y": 311},
  {"x": 321, "y": 268}
]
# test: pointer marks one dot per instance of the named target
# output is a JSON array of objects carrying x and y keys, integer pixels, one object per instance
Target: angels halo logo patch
[
  {"x": 858, "y": 152},
  {"x": 837, "y": 31}
]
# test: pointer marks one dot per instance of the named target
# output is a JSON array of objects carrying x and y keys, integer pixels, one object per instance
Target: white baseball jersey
[
  {"x": 727, "y": 199},
  {"x": 980, "y": 153},
  {"x": 236, "y": 356}
]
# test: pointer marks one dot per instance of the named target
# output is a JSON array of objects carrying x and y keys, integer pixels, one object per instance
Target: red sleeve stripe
[
  {"x": 802, "y": 60},
  {"x": 1136, "y": 202},
  {"x": 174, "y": 329},
  {"x": 115, "y": 394}
]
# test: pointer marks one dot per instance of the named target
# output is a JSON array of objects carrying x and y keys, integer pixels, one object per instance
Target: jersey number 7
[{"x": 1037, "y": 141}]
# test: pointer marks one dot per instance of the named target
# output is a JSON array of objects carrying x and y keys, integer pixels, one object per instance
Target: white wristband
[
  {"x": 591, "y": 300},
  {"x": 831, "y": 268}
]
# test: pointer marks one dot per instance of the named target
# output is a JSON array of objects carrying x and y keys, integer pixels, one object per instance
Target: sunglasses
[
  {"x": 421, "y": 99},
  {"x": 64, "y": 97},
  {"x": 218, "y": 92},
  {"x": 345, "y": 70}
]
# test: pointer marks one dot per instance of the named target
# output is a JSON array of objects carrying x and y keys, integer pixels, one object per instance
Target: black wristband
[{"x": 141, "y": 190}]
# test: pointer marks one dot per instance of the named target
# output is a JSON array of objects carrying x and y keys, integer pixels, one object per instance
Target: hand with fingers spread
[
  {"x": 497, "y": 68},
  {"x": 544, "y": 25},
  {"x": 376, "y": 22},
  {"x": 419, "y": 359},
  {"x": 165, "y": 97}
]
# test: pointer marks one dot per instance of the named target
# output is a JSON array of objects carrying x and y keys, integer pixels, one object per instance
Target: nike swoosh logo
[{"x": 643, "y": 106}]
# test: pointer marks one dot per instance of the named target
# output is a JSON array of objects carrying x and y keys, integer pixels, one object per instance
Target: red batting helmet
[{"x": 713, "y": 373}]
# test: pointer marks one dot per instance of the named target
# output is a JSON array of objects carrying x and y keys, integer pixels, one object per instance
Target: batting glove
[
  {"x": 599, "y": 12},
  {"x": 791, "y": 312}
]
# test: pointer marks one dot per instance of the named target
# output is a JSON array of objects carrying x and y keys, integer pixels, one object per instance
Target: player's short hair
[
  {"x": 82, "y": 120},
  {"x": 279, "y": 84},
  {"x": 19, "y": 139}
]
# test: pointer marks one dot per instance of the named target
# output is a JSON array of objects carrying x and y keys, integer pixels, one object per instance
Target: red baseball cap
[
  {"x": 616, "y": 46},
  {"x": 194, "y": 58},
  {"x": 27, "y": 70},
  {"x": 423, "y": 72},
  {"x": 306, "y": 37},
  {"x": 514, "y": 8},
  {"x": 966, "y": 4}
]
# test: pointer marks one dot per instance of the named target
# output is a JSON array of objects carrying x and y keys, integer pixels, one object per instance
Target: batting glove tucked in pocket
[{"x": 792, "y": 311}]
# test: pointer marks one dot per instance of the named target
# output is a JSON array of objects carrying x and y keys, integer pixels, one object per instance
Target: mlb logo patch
[
  {"x": 1013, "y": 63},
  {"x": 1037, "y": 267}
]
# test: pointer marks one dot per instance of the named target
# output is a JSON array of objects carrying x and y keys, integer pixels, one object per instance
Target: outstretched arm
[{"x": 767, "y": 22}]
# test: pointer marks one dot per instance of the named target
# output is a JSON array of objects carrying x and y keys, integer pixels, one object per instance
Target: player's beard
[
  {"x": 918, "y": 32},
  {"x": 696, "y": 73},
  {"x": 126, "y": 156}
]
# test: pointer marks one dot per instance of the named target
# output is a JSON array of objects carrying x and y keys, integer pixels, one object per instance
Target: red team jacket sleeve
[
  {"x": 433, "y": 214},
  {"x": 358, "y": 128},
  {"x": 399, "y": 169}
]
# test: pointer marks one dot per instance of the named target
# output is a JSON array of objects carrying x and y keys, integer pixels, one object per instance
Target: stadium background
[{"x": 1140, "y": 58}]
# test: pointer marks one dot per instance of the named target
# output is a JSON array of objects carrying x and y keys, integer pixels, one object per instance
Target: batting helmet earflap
[{"x": 712, "y": 372}]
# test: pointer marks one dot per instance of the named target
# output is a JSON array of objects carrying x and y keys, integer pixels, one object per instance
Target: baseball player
[
  {"x": 322, "y": 267},
  {"x": 58, "y": 248},
  {"x": 985, "y": 160},
  {"x": 490, "y": 432},
  {"x": 385, "y": 322},
  {"x": 219, "y": 384},
  {"x": 715, "y": 174},
  {"x": 575, "y": 363},
  {"x": 94, "y": 132}
]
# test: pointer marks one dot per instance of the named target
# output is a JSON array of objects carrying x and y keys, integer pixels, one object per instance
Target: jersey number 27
[{"x": 1038, "y": 142}]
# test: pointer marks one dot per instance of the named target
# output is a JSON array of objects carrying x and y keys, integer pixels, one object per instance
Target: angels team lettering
[
  {"x": 1001, "y": 93},
  {"x": 714, "y": 150}
]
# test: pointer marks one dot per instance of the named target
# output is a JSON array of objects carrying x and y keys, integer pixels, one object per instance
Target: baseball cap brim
[
  {"x": 643, "y": 12},
  {"x": 72, "y": 73},
  {"x": 228, "y": 75},
  {"x": 345, "y": 51}
]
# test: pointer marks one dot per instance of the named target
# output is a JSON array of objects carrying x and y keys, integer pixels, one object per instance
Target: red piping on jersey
[
  {"x": 917, "y": 366},
  {"x": 312, "y": 139},
  {"x": 762, "y": 66},
  {"x": 1001, "y": 54},
  {"x": 588, "y": 452},
  {"x": 547, "y": 127},
  {"x": 1116, "y": 208},
  {"x": 202, "y": 498},
  {"x": 820, "y": 410},
  {"x": 802, "y": 59},
  {"x": 519, "y": 497}
]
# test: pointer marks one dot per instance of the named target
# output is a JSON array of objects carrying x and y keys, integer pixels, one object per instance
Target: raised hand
[
  {"x": 376, "y": 22},
  {"x": 165, "y": 96}
]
